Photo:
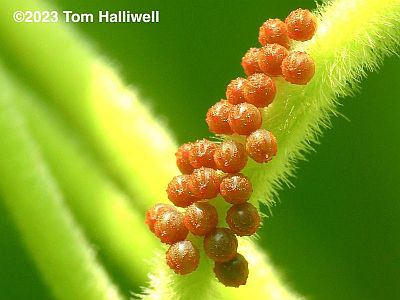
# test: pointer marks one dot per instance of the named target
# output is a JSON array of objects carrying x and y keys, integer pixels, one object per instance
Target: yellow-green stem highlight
[
  {"x": 63, "y": 255},
  {"x": 104, "y": 210}
]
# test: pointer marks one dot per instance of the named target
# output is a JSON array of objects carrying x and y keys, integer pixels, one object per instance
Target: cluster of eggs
[{"x": 209, "y": 169}]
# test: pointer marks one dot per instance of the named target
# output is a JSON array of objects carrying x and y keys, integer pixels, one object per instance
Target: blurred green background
[{"x": 336, "y": 234}]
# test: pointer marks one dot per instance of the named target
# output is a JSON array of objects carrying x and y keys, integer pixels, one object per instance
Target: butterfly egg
[
  {"x": 153, "y": 213},
  {"x": 236, "y": 188},
  {"x": 182, "y": 159},
  {"x": 244, "y": 118},
  {"x": 220, "y": 245},
  {"x": 243, "y": 219},
  {"x": 274, "y": 31},
  {"x": 232, "y": 273},
  {"x": 183, "y": 257},
  {"x": 259, "y": 90},
  {"x": 301, "y": 25},
  {"x": 169, "y": 227},
  {"x": 298, "y": 67},
  {"x": 201, "y": 154},
  {"x": 250, "y": 62},
  {"x": 270, "y": 59},
  {"x": 230, "y": 157},
  {"x": 178, "y": 191},
  {"x": 217, "y": 118},
  {"x": 204, "y": 183},
  {"x": 201, "y": 218},
  {"x": 234, "y": 91},
  {"x": 261, "y": 146}
]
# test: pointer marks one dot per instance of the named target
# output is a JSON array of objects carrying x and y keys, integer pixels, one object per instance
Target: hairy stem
[
  {"x": 97, "y": 103},
  {"x": 108, "y": 114},
  {"x": 55, "y": 242},
  {"x": 264, "y": 282},
  {"x": 353, "y": 37},
  {"x": 105, "y": 212}
]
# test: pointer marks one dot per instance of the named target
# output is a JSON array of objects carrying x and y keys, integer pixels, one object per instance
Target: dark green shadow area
[{"x": 19, "y": 278}]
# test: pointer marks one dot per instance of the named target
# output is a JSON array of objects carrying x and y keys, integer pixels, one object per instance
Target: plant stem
[
  {"x": 353, "y": 37},
  {"x": 263, "y": 283},
  {"x": 107, "y": 113},
  {"x": 59, "y": 249},
  {"x": 88, "y": 91},
  {"x": 105, "y": 212}
]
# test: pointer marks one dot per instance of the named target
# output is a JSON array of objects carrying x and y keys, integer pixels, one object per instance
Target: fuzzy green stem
[
  {"x": 51, "y": 235},
  {"x": 264, "y": 282},
  {"x": 105, "y": 111},
  {"x": 88, "y": 91},
  {"x": 105, "y": 212},
  {"x": 353, "y": 37}
]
